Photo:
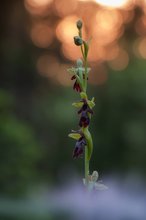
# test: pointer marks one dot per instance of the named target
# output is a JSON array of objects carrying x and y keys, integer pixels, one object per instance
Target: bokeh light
[
  {"x": 104, "y": 21},
  {"x": 142, "y": 48},
  {"x": 64, "y": 8},
  {"x": 113, "y": 3},
  {"x": 42, "y": 35},
  {"x": 121, "y": 61},
  {"x": 66, "y": 29},
  {"x": 71, "y": 52},
  {"x": 37, "y": 7},
  {"x": 39, "y": 3},
  {"x": 107, "y": 26}
]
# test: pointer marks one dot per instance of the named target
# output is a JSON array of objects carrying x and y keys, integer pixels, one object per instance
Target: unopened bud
[
  {"x": 79, "y": 63},
  {"x": 78, "y": 41},
  {"x": 79, "y": 24}
]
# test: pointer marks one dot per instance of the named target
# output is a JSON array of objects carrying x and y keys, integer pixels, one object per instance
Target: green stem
[
  {"x": 89, "y": 146},
  {"x": 88, "y": 152},
  {"x": 86, "y": 65},
  {"x": 86, "y": 166},
  {"x": 82, "y": 51}
]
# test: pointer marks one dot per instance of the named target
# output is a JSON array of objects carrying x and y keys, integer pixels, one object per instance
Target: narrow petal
[{"x": 73, "y": 77}]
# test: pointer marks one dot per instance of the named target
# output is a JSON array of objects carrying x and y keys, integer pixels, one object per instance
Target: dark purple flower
[
  {"x": 79, "y": 147},
  {"x": 84, "y": 111},
  {"x": 76, "y": 85},
  {"x": 84, "y": 120}
]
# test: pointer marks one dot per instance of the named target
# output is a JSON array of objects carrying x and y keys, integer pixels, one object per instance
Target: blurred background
[{"x": 36, "y": 48}]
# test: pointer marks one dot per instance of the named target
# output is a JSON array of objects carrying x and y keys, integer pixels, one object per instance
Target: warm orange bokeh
[
  {"x": 42, "y": 35},
  {"x": 37, "y": 7},
  {"x": 121, "y": 60},
  {"x": 104, "y": 21},
  {"x": 113, "y": 3},
  {"x": 142, "y": 48},
  {"x": 66, "y": 29},
  {"x": 65, "y": 7}
]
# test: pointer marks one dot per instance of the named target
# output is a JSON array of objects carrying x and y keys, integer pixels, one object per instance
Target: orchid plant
[{"x": 83, "y": 137}]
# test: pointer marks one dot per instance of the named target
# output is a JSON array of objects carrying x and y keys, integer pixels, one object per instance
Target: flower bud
[
  {"x": 78, "y": 41},
  {"x": 79, "y": 24},
  {"x": 79, "y": 63}
]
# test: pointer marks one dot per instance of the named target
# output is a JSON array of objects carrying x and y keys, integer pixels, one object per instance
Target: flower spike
[{"x": 84, "y": 143}]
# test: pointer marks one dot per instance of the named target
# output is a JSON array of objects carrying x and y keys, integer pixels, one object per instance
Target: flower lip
[
  {"x": 84, "y": 120},
  {"x": 84, "y": 111},
  {"x": 73, "y": 77},
  {"x": 79, "y": 147},
  {"x": 85, "y": 107},
  {"x": 76, "y": 85}
]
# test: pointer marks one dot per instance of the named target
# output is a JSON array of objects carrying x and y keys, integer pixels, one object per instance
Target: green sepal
[
  {"x": 83, "y": 69},
  {"x": 80, "y": 72},
  {"x": 75, "y": 136},
  {"x": 89, "y": 41},
  {"x": 77, "y": 104},
  {"x": 91, "y": 103},
  {"x": 86, "y": 48},
  {"x": 88, "y": 69},
  {"x": 83, "y": 95},
  {"x": 72, "y": 70}
]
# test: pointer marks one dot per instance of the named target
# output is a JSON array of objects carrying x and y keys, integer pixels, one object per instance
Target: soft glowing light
[
  {"x": 112, "y": 3},
  {"x": 64, "y": 8},
  {"x": 87, "y": 12},
  {"x": 111, "y": 52},
  {"x": 107, "y": 26},
  {"x": 121, "y": 61},
  {"x": 42, "y": 35},
  {"x": 127, "y": 15},
  {"x": 70, "y": 51},
  {"x": 98, "y": 53},
  {"x": 108, "y": 19},
  {"x": 66, "y": 29},
  {"x": 102, "y": 53},
  {"x": 37, "y": 7},
  {"x": 38, "y": 3},
  {"x": 141, "y": 25},
  {"x": 142, "y": 48}
]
